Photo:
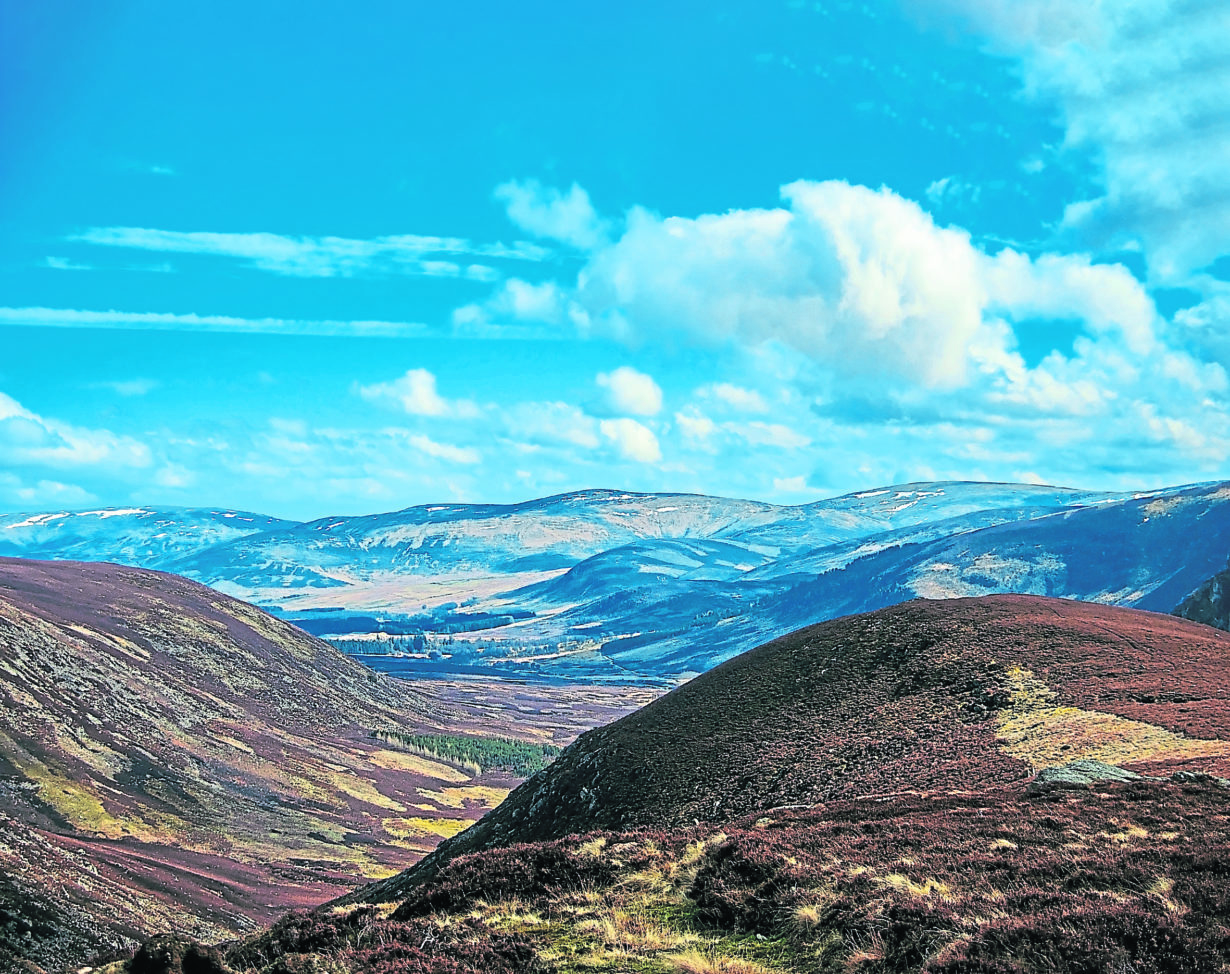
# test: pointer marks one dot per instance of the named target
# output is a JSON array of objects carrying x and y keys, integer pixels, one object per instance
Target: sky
[{"x": 315, "y": 258}]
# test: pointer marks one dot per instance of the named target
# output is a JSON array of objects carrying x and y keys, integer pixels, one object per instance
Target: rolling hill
[
  {"x": 994, "y": 785},
  {"x": 145, "y": 537},
  {"x": 969, "y": 694}
]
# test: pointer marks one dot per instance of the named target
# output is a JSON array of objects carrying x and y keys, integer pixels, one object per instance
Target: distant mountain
[
  {"x": 146, "y": 537},
  {"x": 170, "y": 757},
  {"x": 610, "y": 585},
  {"x": 999, "y": 785}
]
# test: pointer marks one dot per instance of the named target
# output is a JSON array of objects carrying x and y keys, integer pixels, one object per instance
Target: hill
[
  {"x": 999, "y": 785},
  {"x": 963, "y": 694},
  {"x": 171, "y": 758}
]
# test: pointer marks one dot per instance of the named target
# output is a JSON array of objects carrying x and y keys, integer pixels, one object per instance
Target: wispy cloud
[
  {"x": 405, "y": 254},
  {"x": 1141, "y": 87},
  {"x": 416, "y": 393},
  {"x": 130, "y": 387},
  {"x": 66, "y": 264},
  {"x": 165, "y": 321},
  {"x": 631, "y": 392}
]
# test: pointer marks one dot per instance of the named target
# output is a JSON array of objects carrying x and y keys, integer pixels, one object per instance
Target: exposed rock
[
  {"x": 1086, "y": 771},
  {"x": 1210, "y": 603}
]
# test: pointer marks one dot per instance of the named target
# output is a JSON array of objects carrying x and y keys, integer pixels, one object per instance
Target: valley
[{"x": 600, "y": 683}]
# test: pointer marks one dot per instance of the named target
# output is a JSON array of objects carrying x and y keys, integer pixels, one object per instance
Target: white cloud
[
  {"x": 552, "y": 423},
  {"x": 631, "y": 392},
  {"x": 633, "y": 440},
  {"x": 514, "y": 305},
  {"x": 164, "y": 321},
  {"x": 325, "y": 256},
  {"x": 544, "y": 211},
  {"x": 174, "y": 475},
  {"x": 735, "y": 397},
  {"x": 27, "y": 438},
  {"x": 695, "y": 425},
  {"x": 444, "y": 451},
  {"x": 1141, "y": 85},
  {"x": 769, "y": 434},
  {"x": 862, "y": 282},
  {"x": 416, "y": 393},
  {"x": 66, "y": 264}
]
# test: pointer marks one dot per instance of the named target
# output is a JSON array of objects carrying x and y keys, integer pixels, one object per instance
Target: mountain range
[{"x": 609, "y": 585}]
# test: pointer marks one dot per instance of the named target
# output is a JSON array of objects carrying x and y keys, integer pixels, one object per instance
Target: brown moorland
[
  {"x": 862, "y": 796},
  {"x": 174, "y": 759},
  {"x": 959, "y": 695}
]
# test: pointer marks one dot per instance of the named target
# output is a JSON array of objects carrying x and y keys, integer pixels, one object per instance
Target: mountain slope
[
  {"x": 146, "y": 537},
  {"x": 172, "y": 757},
  {"x": 935, "y": 788},
  {"x": 552, "y": 534},
  {"x": 968, "y": 694}
]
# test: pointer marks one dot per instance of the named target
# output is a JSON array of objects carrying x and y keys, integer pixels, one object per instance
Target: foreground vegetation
[{"x": 1123, "y": 877}]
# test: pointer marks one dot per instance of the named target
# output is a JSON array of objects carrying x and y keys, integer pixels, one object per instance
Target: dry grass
[
  {"x": 1038, "y": 731},
  {"x": 696, "y": 962}
]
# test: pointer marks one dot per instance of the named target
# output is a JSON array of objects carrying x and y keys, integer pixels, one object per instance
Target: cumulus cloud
[
  {"x": 861, "y": 281},
  {"x": 695, "y": 426},
  {"x": 633, "y": 440},
  {"x": 631, "y": 392},
  {"x": 416, "y": 393},
  {"x": 893, "y": 326},
  {"x": 1141, "y": 86},
  {"x": 27, "y": 438},
  {"x": 545, "y": 211},
  {"x": 519, "y": 308}
]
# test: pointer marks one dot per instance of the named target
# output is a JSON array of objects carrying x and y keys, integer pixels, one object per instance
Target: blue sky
[{"x": 309, "y": 258}]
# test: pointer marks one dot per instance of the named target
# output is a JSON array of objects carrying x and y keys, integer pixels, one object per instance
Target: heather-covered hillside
[
  {"x": 1004, "y": 785},
  {"x": 171, "y": 758},
  {"x": 964, "y": 694}
]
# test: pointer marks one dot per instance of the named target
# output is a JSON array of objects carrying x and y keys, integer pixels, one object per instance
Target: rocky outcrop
[{"x": 1210, "y": 603}]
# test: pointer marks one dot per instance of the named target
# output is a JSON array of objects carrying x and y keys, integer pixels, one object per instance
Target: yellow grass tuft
[
  {"x": 904, "y": 884},
  {"x": 694, "y": 962}
]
